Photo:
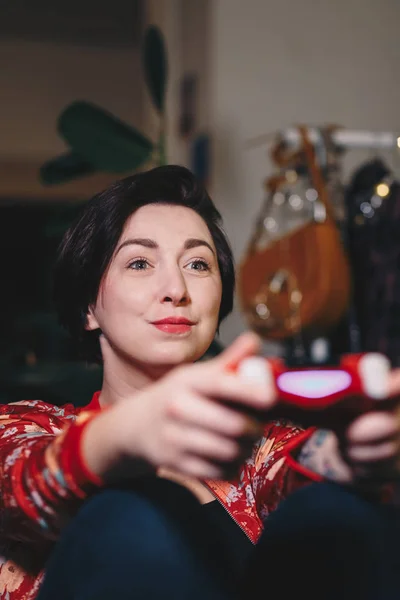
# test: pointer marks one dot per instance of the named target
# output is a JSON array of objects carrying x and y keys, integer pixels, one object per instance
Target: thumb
[
  {"x": 394, "y": 383},
  {"x": 247, "y": 344}
]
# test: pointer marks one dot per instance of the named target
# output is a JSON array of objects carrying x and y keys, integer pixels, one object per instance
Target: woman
[{"x": 118, "y": 500}]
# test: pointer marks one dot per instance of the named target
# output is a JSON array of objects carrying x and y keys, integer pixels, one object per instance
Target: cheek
[
  {"x": 210, "y": 299},
  {"x": 120, "y": 297}
]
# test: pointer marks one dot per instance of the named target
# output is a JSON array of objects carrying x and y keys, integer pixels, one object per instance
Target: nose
[{"x": 174, "y": 288}]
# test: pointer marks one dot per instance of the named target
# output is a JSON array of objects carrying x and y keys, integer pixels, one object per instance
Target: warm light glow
[
  {"x": 296, "y": 296},
  {"x": 382, "y": 189},
  {"x": 296, "y": 202},
  {"x": 291, "y": 176},
  {"x": 398, "y": 142}
]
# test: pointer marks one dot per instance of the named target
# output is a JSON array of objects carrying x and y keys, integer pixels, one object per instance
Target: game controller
[{"x": 323, "y": 396}]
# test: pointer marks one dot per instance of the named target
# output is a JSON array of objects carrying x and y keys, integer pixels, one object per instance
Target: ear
[{"x": 91, "y": 321}]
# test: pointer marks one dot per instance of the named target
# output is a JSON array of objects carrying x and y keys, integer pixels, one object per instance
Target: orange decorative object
[{"x": 295, "y": 274}]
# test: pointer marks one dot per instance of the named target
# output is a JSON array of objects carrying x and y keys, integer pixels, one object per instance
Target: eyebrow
[{"x": 148, "y": 243}]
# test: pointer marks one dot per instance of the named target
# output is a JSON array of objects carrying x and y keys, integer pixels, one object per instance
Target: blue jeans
[{"x": 152, "y": 541}]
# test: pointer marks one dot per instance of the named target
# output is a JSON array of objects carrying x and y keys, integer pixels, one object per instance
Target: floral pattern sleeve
[
  {"x": 276, "y": 474},
  {"x": 43, "y": 478},
  {"x": 267, "y": 477}
]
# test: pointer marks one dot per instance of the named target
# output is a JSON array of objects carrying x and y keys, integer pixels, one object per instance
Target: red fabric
[
  {"x": 291, "y": 448},
  {"x": 44, "y": 481},
  {"x": 73, "y": 464},
  {"x": 265, "y": 479}
]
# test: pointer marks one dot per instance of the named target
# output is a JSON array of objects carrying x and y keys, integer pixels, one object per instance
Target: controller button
[
  {"x": 317, "y": 383},
  {"x": 257, "y": 370},
  {"x": 374, "y": 369}
]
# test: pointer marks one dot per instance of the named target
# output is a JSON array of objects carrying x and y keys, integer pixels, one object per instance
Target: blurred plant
[{"x": 99, "y": 141}]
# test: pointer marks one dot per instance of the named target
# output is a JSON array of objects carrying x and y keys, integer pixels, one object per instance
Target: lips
[
  {"x": 174, "y": 325},
  {"x": 173, "y": 321}
]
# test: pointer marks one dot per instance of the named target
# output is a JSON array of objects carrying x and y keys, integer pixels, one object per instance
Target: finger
[
  {"x": 213, "y": 416},
  {"x": 373, "y": 427},
  {"x": 247, "y": 344},
  {"x": 394, "y": 382},
  {"x": 233, "y": 389},
  {"x": 208, "y": 445},
  {"x": 373, "y": 454},
  {"x": 226, "y": 470},
  {"x": 199, "y": 468},
  {"x": 221, "y": 450}
]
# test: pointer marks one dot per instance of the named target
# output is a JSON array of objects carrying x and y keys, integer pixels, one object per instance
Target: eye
[
  {"x": 199, "y": 265},
  {"x": 139, "y": 264}
]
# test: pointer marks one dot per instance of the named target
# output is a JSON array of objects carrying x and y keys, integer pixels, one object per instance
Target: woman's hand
[
  {"x": 193, "y": 420},
  {"x": 372, "y": 442},
  {"x": 367, "y": 451}
]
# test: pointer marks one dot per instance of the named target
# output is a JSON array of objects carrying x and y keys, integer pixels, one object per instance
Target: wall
[
  {"x": 37, "y": 80},
  {"x": 262, "y": 65},
  {"x": 279, "y": 62},
  {"x": 167, "y": 15},
  {"x": 185, "y": 27}
]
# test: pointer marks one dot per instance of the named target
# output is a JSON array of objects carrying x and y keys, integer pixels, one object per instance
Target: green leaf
[
  {"x": 64, "y": 168},
  {"x": 102, "y": 139},
  {"x": 155, "y": 66}
]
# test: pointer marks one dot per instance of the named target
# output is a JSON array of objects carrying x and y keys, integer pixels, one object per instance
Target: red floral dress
[{"x": 44, "y": 481}]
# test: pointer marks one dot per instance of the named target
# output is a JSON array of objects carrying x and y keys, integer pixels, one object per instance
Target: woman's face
[{"x": 159, "y": 300}]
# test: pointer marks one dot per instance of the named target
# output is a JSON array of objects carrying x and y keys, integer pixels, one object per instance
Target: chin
[{"x": 174, "y": 356}]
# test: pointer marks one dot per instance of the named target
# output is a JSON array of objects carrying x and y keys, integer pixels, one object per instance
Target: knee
[
  {"x": 129, "y": 541},
  {"x": 332, "y": 503},
  {"x": 122, "y": 527},
  {"x": 332, "y": 530},
  {"x": 116, "y": 513},
  {"x": 328, "y": 511},
  {"x": 124, "y": 522}
]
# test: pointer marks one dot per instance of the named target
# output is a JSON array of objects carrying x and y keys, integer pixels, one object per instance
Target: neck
[{"x": 123, "y": 378}]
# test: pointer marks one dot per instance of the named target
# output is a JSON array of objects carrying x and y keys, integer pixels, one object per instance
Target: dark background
[{"x": 37, "y": 359}]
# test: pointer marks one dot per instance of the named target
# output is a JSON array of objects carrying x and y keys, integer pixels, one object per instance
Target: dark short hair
[{"x": 88, "y": 245}]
